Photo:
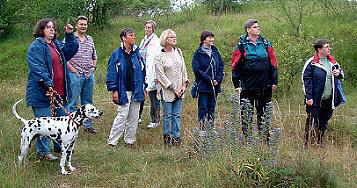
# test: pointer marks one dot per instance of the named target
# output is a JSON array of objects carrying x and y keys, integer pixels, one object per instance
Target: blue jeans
[
  {"x": 43, "y": 144},
  {"x": 172, "y": 118},
  {"x": 206, "y": 106},
  {"x": 81, "y": 91}
]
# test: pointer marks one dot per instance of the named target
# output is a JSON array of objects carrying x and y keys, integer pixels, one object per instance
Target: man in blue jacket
[
  {"x": 125, "y": 79},
  {"x": 321, "y": 77},
  {"x": 46, "y": 59}
]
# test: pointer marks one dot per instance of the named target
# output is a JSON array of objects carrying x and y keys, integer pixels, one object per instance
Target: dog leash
[{"x": 56, "y": 102}]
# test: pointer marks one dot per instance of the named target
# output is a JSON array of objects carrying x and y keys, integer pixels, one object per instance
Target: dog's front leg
[
  {"x": 63, "y": 160},
  {"x": 69, "y": 157}
]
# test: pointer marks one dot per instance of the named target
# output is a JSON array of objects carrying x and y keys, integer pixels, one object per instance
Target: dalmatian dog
[{"x": 63, "y": 130}]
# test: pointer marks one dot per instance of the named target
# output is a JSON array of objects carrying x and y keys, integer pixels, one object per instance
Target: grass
[{"x": 151, "y": 164}]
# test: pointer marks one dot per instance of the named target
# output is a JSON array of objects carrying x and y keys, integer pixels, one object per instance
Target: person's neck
[
  {"x": 322, "y": 56},
  {"x": 80, "y": 35},
  {"x": 206, "y": 45},
  {"x": 48, "y": 41},
  {"x": 128, "y": 47},
  {"x": 168, "y": 48},
  {"x": 253, "y": 38},
  {"x": 148, "y": 36}
]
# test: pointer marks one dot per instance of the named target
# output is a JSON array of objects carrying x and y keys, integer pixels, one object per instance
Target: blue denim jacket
[
  {"x": 116, "y": 75},
  {"x": 39, "y": 61}
]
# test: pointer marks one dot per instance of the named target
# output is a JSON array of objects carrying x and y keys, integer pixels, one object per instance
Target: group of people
[{"x": 156, "y": 68}]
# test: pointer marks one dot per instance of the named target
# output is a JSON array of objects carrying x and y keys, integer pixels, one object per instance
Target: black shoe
[
  {"x": 91, "y": 130},
  {"x": 176, "y": 141},
  {"x": 167, "y": 139},
  {"x": 131, "y": 146}
]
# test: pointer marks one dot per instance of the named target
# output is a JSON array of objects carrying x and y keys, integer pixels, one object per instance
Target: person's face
[
  {"x": 129, "y": 39},
  {"x": 171, "y": 39},
  {"x": 149, "y": 29},
  {"x": 209, "y": 41},
  {"x": 254, "y": 29},
  {"x": 325, "y": 50},
  {"x": 49, "y": 31},
  {"x": 82, "y": 26}
]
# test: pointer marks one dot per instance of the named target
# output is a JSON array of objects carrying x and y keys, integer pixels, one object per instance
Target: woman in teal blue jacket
[{"x": 46, "y": 59}]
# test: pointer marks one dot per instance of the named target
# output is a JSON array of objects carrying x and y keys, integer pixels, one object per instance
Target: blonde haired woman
[{"x": 171, "y": 73}]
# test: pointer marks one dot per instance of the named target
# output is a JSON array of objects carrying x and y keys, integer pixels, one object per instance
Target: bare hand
[
  {"x": 238, "y": 90},
  {"x": 215, "y": 82},
  {"x": 71, "y": 68},
  {"x": 146, "y": 94},
  {"x": 179, "y": 92},
  {"x": 274, "y": 88},
  {"x": 309, "y": 102},
  {"x": 336, "y": 72},
  {"x": 115, "y": 97},
  {"x": 68, "y": 28},
  {"x": 49, "y": 91}
]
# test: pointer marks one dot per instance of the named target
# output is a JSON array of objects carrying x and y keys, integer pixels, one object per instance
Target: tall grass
[{"x": 151, "y": 164}]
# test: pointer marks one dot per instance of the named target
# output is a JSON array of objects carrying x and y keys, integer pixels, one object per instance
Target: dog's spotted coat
[{"x": 64, "y": 130}]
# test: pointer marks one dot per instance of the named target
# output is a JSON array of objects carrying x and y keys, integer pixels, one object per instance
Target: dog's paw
[
  {"x": 71, "y": 168},
  {"x": 64, "y": 172}
]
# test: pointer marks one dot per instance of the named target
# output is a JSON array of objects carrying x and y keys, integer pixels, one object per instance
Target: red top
[{"x": 58, "y": 70}]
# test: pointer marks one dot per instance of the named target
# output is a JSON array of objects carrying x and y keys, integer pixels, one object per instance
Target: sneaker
[
  {"x": 202, "y": 133},
  {"x": 152, "y": 125},
  {"x": 49, "y": 157},
  {"x": 91, "y": 130}
]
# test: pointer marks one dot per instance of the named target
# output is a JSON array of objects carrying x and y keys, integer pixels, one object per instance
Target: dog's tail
[{"x": 15, "y": 113}]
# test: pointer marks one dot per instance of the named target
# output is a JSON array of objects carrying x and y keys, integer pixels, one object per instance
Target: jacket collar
[
  {"x": 330, "y": 58},
  {"x": 199, "y": 50},
  {"x": 135, "y": 48},
  {"x": 42, "y": 40}
]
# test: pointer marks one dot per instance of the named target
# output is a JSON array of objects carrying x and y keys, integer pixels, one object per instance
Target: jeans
[
  {"x": 206, "y": 106},
  {"x": 81, "y": 91},
  {"x": 154, "y": 107},
  {"x": 172, "y": 118},
  {"x": 42, "y": 143}
]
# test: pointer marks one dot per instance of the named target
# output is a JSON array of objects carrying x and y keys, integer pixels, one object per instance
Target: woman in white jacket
[{"x": 149, "y": 48}]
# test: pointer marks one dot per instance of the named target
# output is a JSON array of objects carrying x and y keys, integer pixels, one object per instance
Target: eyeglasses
[{"x": 255, "y": 27}]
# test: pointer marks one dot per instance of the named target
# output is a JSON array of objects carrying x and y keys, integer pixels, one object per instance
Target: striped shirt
[{"x": 83, "y": 60}]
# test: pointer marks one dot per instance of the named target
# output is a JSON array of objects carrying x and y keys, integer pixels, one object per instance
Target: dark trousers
[
  {"x": 206, "y": 106},
  {"x": 317, "y": 119},
  {"x": 141, "y": 109},
  {"x": 154, "y": 107},
  {"x": 261, "y": 100}
]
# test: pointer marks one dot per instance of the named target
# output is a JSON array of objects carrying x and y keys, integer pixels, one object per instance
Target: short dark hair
[
  {"x": 41, "y": 25},
  {"x": 125, "y": 31},
  {"x": 206, "y": 34},
  {"x": 249, "y": 23},
  {"x": 319, "y": 43},
  {"x": 81, "y": 18}
]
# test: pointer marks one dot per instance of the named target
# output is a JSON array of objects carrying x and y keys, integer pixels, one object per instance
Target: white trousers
[{"x": 126, "y": 122}]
